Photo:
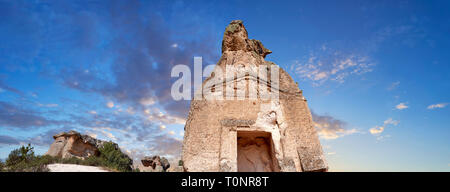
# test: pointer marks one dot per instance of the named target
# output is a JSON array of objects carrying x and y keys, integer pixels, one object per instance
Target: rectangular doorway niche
[{"x": 255, "y": 152}]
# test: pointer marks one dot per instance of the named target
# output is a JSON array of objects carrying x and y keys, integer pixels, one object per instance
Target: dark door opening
[{"x": 255, "y": 152}]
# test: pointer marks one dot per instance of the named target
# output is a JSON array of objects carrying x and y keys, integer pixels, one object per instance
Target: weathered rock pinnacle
[{"x": 236, "y": 38}]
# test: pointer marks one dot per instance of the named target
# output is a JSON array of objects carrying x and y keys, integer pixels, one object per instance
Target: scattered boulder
[
  {"x": 156, "y": 163},
  {"x": 175, "y": 169}
]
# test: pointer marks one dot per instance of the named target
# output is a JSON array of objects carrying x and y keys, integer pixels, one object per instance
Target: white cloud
[
  {"x": 439, "y": 105},
  {"x": 394, "y": 85},
  {"x": 171, "y": 132},
  {"x": 156, "y": 115},
  {"x": 105, "y": 131},
  {"x": 401, "y": 106},
  {"x": 175, "y": 45},
  {"x": 48, "y": 105},
  {"x": 330, "y": 128},
  {"x": 93, "y": 135},
  {"x": 332, "y": 65},
  {"x": 147, "y": 101},
  {"x": 110, "y": 104},
  {"x": 377, "y": 130},
  {"x": 130, "y": 110},
  {"x": 331, "y": 153},
  {"x": 326, "y": 133},
  {"x": 390, "y": 122},
  {"x": 162, "y": 127},
  {"x": 109, "y": 135},
  {"x": 382, "y": 137},
  {"x": 93, "y": 112}
]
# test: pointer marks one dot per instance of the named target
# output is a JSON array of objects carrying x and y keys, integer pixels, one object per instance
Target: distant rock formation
[
  {"x": 155, "y": 164},
  {"x": 73, "y": 144}
]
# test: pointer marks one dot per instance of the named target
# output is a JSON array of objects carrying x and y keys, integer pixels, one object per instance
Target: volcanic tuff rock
[
  {"x": 243, "y": 133},
  {"x": 73, "y": 144},
  {"x": 235, "y": 38},
  {"x": 157, "y": 163}
]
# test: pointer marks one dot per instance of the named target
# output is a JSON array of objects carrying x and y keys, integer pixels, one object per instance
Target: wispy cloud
[
  {"x": 339, "y": 62},
  {"x": 42, "y": 139},
  {"x": 393, "y": 86},
  {"x": 8, "y": 140},
  {"x": 4, "y": 88},
  {"x": 16, "y": 116},
  {"x": 330, "y": 128},
  {"x": 110, "y": 104},
  {"x": 438, "y": 105},
  {"x": 50, "y": 105},
  {"x": 377, "y": 130},
  {"x": 401, "y": 106},
  {"x": 331, "y": 65},
  {"x": 382, "y": 137}
]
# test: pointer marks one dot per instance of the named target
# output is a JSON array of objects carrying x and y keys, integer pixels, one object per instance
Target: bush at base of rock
[
  {"x": 24, "y": 160},
  {"x": 114, "y": 158}
]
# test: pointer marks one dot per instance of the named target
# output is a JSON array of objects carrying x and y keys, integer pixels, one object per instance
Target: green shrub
[
  {"x": 47, "y": 159},
  {"x": 23, "y": 154},
  {"x": 24, "y": 160},
  {"x": 2, "y": 166},
  {"x": 113, "y": 158},
  {"x": 93, "y": 161}
]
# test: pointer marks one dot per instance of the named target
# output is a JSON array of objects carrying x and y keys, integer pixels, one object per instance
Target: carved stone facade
[{"x": 252, "y": 118}]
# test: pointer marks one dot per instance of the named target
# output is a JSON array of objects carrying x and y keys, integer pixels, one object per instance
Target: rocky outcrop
[
  {"x": 73, "y": 144},
  {"x": 155, "y": 164},
  {"x": 175, "y": 169},
  {"x": 250, "y": 115}
]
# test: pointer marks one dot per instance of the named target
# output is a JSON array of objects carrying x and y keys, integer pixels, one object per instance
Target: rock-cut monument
[{"x": 249, "y": 116}]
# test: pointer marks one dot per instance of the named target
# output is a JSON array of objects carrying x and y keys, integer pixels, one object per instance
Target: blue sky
[{"x": 375, "y": 73}]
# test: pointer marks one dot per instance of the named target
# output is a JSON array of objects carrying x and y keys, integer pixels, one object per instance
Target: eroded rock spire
[{"x": 236, "y": 38}]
